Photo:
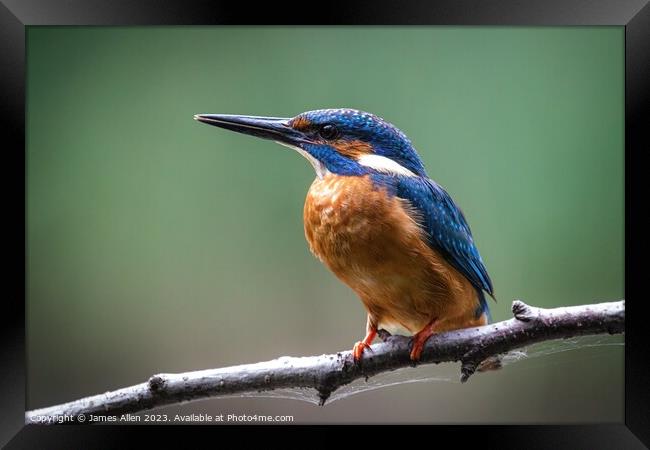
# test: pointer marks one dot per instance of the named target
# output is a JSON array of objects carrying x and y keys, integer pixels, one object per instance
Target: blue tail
[{"x": 483, "y": 307}]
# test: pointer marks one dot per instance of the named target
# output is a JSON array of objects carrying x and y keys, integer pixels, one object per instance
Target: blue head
[{"x": 340, "y": 141}]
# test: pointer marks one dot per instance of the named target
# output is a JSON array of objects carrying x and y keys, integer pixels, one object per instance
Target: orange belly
[{"x": 372, "y": 244}]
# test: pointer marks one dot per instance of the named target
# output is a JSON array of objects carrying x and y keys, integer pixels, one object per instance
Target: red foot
[
  {"x": 419, "y": 339},
  {"x": 359, "y": 347}
]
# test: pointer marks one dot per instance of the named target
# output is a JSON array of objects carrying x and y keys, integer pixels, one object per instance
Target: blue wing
[{"x": 445, "y": 225}]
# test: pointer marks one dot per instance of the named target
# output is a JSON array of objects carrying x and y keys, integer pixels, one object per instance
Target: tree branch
[{"x": 326, "y": 373}]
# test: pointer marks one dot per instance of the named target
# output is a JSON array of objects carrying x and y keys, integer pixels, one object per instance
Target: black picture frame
[{"x": 634, "y": 15}]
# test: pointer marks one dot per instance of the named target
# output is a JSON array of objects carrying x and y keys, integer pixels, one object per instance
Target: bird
[{"x": 384, "y": 228}]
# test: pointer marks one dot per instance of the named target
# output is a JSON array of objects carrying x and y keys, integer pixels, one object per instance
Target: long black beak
[{"x": 274, "y": 128}]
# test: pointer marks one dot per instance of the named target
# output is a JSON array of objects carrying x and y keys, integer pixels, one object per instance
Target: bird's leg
[
  {"x": 420, "y": 338},
  {"x": 359, "y": 347}
]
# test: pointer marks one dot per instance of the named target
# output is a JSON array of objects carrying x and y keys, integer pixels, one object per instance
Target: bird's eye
[{"x": 328, "y": 131}]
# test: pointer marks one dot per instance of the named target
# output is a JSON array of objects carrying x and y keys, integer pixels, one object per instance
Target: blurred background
[{"x": 158, "y": 244}]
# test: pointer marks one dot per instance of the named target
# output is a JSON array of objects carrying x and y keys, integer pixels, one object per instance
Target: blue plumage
[
  {"x": 334, "y": 161},
  {"x": 385, "y": 138},
  {"x": 400, "y": 277},
  {"x": 445, "y": 225}
]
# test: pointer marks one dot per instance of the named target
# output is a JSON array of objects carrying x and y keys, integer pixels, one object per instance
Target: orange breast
[{"x": 372, "y": 242}]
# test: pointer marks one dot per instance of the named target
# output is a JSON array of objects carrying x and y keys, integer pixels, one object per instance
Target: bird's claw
[
  {"x": 357, "y": 350},
  {"x": 419, "y": 339},
  {"x": 417, "y": 346}
]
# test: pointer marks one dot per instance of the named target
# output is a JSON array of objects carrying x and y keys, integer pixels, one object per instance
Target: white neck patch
[
  {"x": 376, "y": 162},
  {"x": 319, "y": 167},
  {"x": 384, "y": 165}
]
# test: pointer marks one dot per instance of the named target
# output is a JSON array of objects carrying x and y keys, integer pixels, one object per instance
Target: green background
[{"x": 159, "y": 244}]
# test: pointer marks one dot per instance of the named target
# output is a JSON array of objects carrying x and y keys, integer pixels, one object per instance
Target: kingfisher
[{"x": 374, "y": 217}]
